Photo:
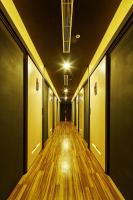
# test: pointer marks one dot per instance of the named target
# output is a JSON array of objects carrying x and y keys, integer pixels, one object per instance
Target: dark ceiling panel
[{"x": 43, "y": 21}]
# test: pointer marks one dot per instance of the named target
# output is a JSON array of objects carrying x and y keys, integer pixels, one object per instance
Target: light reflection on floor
[
  {"x": 65, "y": 161},
  {"x": 66, "y": 144},
  {"x": 65, "y": 166}
]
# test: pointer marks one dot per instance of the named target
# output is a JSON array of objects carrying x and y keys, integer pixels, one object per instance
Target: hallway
[{"x": 65, "y": 169}]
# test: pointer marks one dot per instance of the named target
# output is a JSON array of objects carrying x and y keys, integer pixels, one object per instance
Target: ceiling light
[
  {"x": 77, "y": 36},
  {"x": 66, "y": 65},
  {"x": 65, "y": 90}
]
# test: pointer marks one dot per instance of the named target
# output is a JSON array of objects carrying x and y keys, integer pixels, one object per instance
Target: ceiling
[{"x": 44, "y": 24}]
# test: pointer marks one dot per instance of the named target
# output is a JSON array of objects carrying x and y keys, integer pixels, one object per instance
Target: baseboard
[{"x": 116, "y": 188}]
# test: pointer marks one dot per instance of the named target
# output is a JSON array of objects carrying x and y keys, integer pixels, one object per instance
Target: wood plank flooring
[{"x": 65, "y": 170}]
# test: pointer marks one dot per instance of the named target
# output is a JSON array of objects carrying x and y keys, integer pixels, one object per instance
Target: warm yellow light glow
[
  {"x": 66, "y": 144},
  {"x": 65, "y": 90},
  {"x": 65, "y": 166},
  {"x": 66, "y": 65}
]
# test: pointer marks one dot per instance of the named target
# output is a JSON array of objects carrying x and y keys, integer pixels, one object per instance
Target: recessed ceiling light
[
  {"x": 77, "y": 36},
  {"x": 66, "y": 65},
  {"x": 65, "y": 90}
]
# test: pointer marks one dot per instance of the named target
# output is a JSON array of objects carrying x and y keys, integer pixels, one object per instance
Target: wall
[
  {"x": 50, "y": 112},
  {"x": 86, "y": 114},
  {"x": 45, "y": 111},
  {"x": 77, "y": 113},
  {"x": 121, "y": 114},
  {"x": 81, "y": 112},
  {"x": 11, "y": 112},
  {"x": 97, "y": 115},
  {"x": 73, "y": 112},
  {"x": 55, "y": 111},
  {"x": 58, "y": 111},
  {"x": 34, "y": 112}
]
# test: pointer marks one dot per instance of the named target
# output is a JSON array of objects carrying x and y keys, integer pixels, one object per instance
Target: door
[
  {"x": 97, "y": 115},
  {"x": 34, "y": 112}
]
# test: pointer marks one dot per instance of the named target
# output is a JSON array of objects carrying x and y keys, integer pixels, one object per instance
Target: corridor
[
  {"x": 66, "y": 170},
  {"x": 66, "y": 100}
]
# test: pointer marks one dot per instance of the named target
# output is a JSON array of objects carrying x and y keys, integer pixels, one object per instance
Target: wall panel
[
  {"x": 11, "y": 112},
  {"x": 34, "y": 112},
  {"x": 121, "y": 114}
]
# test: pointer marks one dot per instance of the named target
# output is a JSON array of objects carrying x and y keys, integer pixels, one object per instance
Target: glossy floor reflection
[{"x": 65, "y": 170}]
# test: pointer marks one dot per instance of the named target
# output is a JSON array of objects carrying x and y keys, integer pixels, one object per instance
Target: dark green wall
[
  {"x": 11, "y": 113},
  {"x": 121, "y": 115}
]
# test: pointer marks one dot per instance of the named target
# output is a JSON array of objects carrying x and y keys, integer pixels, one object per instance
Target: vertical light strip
[{"x": 67, "y": 13}]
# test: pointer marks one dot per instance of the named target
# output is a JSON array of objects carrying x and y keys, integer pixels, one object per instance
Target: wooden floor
[{"x": 66, "y": 170}]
